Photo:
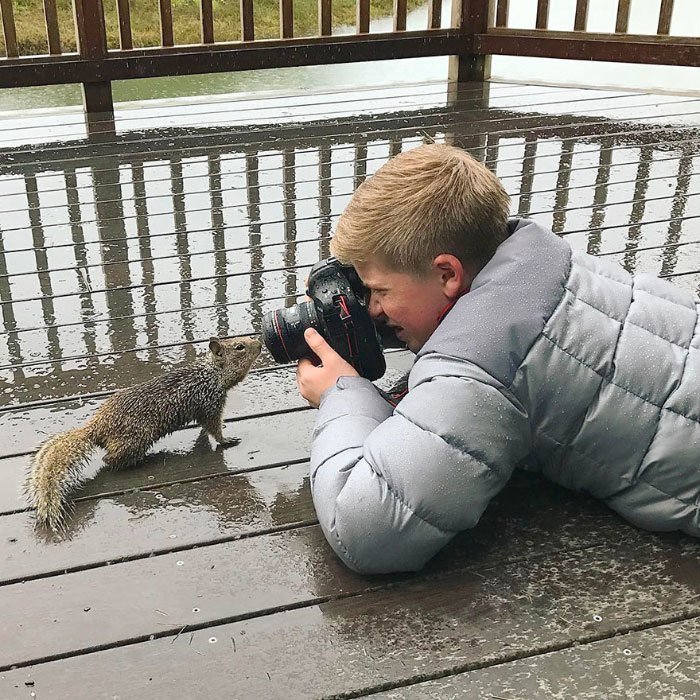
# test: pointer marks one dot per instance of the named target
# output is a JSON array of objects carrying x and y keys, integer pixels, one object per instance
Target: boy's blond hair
[{"x": 430, "y": 200}]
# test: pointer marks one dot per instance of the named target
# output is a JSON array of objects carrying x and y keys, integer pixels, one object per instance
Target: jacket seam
[
  {"x": 400, "y": 500},
  {"x": 607, "y": 314},
  {"x": 656, "y": 335},
  {"x": 626, "y": 320},
  {"x": 592, "y": 270},
  {"x": 509, "y": 397},
  {"x": 668, "y": 398},
  {"x": 527, "y": 352},
  {"x": 619, "y": 386},
  {"x": 627, "y": 480},
  {"x": 393, "y": 493}
]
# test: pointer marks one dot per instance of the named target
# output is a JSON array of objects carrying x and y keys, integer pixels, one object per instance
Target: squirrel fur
[{"x": 131, "y": 420}]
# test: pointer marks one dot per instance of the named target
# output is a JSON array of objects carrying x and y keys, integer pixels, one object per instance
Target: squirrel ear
[{"x": 216, "y": 347}]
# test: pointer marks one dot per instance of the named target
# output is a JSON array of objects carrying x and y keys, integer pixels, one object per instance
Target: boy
[{"x": 526, "y": 353}]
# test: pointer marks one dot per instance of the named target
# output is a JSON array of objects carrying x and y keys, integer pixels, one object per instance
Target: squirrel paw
[{"x": 229, "y": 442}]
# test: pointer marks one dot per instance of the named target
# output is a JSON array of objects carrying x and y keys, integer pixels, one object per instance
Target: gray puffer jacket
[{"x": 554, "y": 358}]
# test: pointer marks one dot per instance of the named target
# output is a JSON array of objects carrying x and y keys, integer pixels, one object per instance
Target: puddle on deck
[{"x": 116, "y": 262}]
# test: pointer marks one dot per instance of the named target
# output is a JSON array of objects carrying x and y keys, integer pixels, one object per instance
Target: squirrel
[{"x": 132, "y": 419}]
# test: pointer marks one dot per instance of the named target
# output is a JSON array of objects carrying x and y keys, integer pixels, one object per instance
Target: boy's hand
[{"x": 313, "y": 380}]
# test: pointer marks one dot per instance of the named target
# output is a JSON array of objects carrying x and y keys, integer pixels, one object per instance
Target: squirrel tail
[{"x": 55, "y": 471}]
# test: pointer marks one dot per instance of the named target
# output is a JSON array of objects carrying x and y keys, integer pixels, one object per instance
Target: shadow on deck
[{"x": 204, "y": 571}]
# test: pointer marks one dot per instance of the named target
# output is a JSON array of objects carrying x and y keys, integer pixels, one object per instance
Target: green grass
[{"x": 145, "y": 21}]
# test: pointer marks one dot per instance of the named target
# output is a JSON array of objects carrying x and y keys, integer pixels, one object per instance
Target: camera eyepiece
[{"x": 337, "y": 310}]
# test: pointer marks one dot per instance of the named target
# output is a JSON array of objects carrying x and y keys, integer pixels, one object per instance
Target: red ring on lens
[{"x": 279, "y": 333}]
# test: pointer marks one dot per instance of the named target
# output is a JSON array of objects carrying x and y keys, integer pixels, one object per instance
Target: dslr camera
[{"x": 338, "y": 311}]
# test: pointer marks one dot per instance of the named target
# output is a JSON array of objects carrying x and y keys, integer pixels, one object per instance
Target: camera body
[{"x": 338, "y": 311}]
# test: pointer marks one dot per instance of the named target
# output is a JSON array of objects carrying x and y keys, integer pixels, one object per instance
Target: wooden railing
[
  {"x": 478, "y": 30},
  {"x": 620, "y": 45}
]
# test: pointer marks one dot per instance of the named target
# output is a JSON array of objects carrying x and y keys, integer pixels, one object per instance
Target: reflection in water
[
  {"x": 114, "y": 267},
  {"x": 600, "y": 195},
  {"x": 209, "y": 508}
]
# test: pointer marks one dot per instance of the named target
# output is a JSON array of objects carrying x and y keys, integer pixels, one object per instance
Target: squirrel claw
[{"x": 229, "y": 442}]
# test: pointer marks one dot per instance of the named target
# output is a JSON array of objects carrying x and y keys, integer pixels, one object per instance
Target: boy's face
[{"x": 410, "y": 305}]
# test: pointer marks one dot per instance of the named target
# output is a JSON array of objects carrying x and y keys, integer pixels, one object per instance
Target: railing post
[
  {"x": 92, "y": 45},
  {"x": 470, "y": 17}
]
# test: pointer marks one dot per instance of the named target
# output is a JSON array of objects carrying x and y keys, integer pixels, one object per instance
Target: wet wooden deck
[{"x": 203, "y": 573}]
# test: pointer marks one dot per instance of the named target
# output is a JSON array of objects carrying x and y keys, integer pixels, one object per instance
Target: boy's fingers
[
  {"x": 318, "y": 343},
  {"x": 303, "y": 363}
]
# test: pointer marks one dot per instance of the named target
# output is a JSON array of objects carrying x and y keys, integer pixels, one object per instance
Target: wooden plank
[
  {"x": 502, "y": 13},
  {"x": 542, "y": 17},
  {"x": 8, "y": 28},
  {"x": 434, "y": 14},
  {"x": 665, "y": 16},
  {"x": 623, "y": 16},
  {"x": 286, "y": 18},
  {"x": 158, "y": 519},
  {"x": 622, "y": 663},
  {"x": 399, "y": 15},
  {"x": 247, "y": 20},
  {"x": 130, "y": 515},
  {"x": 52, "y": 33},
  {"x": 362, "y": 16},
  {"x": 495, "y": 541},
  {"x": 445, "y": 621},
  {"x": 581, "y": 16},
  {"x": 166, "y": 22},
  {"x": 626, "y": 48},
  {"x": 124, "y": 19},
  {"x": 207, "y": 18},
  {"x": 142, "y": 524},
  {"x": 325, "y": 17}
]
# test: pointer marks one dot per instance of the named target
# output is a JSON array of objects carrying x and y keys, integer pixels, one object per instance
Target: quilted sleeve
[{"x": 392, "y": 487}]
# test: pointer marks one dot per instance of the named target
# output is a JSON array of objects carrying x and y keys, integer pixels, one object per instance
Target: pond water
[{"x": 643, "y": 19}]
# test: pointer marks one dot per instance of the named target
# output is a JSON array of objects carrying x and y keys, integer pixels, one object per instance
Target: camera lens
[{"x": 283, "y": 331}]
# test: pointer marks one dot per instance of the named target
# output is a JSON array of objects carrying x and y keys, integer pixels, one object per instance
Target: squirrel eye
[{"x": 240, "y": 346}]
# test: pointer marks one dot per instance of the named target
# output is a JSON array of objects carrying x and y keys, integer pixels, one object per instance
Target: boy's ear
[{"x": 453, "y": 276}]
